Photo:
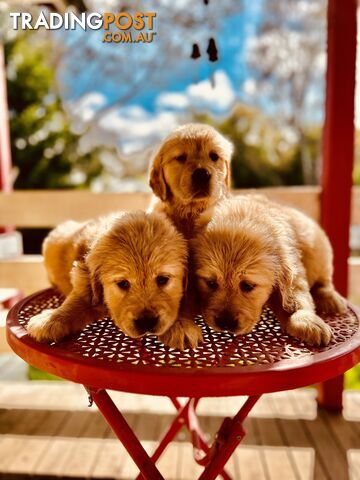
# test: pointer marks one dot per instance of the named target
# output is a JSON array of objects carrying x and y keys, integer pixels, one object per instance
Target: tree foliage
[
  {"x": 264, "y": 155},
  {"x": 45, "y": 151},
  {"x": 287, "y": 60}
]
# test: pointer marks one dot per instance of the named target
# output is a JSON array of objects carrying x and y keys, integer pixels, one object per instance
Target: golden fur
[
  {"x": 129, "y": 265},
  {"x": 182, "y": 194},
  {"x": 254, "y": 252}
]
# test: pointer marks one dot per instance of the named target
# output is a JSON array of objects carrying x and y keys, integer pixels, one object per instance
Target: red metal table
[{"x": 266, "y": 360}]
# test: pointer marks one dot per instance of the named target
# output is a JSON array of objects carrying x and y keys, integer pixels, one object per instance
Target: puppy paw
[
  {"x": 183, "y": 334},
  {"x": 46, "y": 327},
  {"x": 308, "y": 327},
  {"x": 328, "y": 300}
]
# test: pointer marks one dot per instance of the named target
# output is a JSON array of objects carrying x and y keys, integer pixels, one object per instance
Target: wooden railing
[{"x": 46, "y": 208}]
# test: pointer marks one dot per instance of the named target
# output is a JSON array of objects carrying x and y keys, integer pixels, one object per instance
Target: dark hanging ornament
[
  {"x": 195, "y": 51},
  {"x": 206, "y": 2},
  {"x": 212, "y": 51}
]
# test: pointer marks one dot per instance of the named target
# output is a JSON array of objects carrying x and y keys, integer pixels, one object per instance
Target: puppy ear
[
  {"x": 276, "y": 305},
  {"x": 157, "y": 178},
  {"x": 83, "y": 283},
  {"x": 96, "y": 289},
  {"x": 185, "y": 281},
  {"x": 95, "y": 286},
  {"x": 286, "y": 280},
  {"x": 228, "y": 150},
  {"x": 228, "y": 174}
]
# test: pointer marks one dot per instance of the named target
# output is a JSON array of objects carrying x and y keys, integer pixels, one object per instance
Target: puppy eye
[
  {"x": 161, "y": 280},
  {"x": 246, "y": 287},
  {"x": 124, "y": 285},
  {"x": 214, "y": 156},
  {"x": 181, "y": 158},
  {"x": 212, "y": 284}
]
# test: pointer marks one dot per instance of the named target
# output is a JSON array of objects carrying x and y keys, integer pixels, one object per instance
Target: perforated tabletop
[{"x": 264, "y": 360}]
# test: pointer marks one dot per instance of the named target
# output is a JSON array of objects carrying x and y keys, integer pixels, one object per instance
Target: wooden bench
[{"x": 47, "y": 208}]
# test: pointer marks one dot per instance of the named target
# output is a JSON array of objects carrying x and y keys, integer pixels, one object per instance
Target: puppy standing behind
[
  {"x": 130, "y": 265},
  {"x": 255, "y": 252},
  {"x": 190, "y": 173}
]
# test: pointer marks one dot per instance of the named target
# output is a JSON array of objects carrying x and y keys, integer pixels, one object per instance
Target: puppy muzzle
[
  {"x": 146, "y": 322},
  {"x": 200, "y": 182},
  {"x": 225, "y": 321}
]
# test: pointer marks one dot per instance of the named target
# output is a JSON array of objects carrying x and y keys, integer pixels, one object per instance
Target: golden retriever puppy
[
  {"x": 253, "y": 252},
  {"x": 190, "y": 173},
  {"x": 131, "y": 266}
]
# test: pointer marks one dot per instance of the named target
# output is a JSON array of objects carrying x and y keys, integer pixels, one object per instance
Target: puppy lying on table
[
  {"x": 252, "y": 252},
  {"x": 129, "y": 265}
]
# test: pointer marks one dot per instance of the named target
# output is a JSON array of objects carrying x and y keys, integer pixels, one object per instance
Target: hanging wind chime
[{"x": 211, "y": 50}]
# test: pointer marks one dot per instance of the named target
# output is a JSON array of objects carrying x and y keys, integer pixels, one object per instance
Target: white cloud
[
  {"x": 136, "y": 128},
  {"x": 178, "y": 101},
  {"x": 249, "y": 86},
  {"x": 219, "y": 96},
  {"x": 133, "y": 129},
  {"x": 216, "y": 96},
  {"x": 86, "y": 107}
]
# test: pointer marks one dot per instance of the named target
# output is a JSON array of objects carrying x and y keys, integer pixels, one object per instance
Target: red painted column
[
  {"x": 5, "y": 153},
  {"x": 338, "y": 153}
]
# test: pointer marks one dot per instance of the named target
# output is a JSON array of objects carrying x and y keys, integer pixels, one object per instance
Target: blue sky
[
  {"x": 184, "y": 85},
  {"x": 232, "y": 38}
]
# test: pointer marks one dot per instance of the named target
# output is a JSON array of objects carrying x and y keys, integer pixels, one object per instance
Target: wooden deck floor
[{"x": 47, "y": 431}]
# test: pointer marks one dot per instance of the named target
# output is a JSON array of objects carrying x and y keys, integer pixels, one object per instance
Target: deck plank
[
  {"x": 287, "y": 409},
  {"x": 345, "y": 434},
  {"x": 75, "y": 423},
  {"x": 250, "y": 463},
  {"x": 277, "y": 460},
  {"x": 331, "y": 457},
  {"x": 28, "y": 457},
  {"x": 287, "y": 436},
  {"x": 110, "y": 461},
  {"x": 352, "y": 406},
  {"x": 354, "y": 464},
  {"x": 81, "y": 460},
  {"x": 54, "y": 461}
]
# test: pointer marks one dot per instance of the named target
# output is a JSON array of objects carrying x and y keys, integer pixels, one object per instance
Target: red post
[
  {"x": 5, "y": 154},
  {"x": 338, "y": 154}
]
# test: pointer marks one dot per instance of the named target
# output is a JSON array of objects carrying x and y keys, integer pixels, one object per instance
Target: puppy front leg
[
  {"x": 72, "y": 316},
  {"x": 327, "y": 299},
  {"x": 184, "y": 333},
  {"x": 303, "y": 323},
  {"x": 54, "y": 325}
]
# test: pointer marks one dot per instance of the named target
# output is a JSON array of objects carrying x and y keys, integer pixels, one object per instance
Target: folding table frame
[{"x": 102, "y": 358}]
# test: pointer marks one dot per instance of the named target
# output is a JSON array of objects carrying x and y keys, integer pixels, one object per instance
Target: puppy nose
[
  {"x": 146, "y": 322},
  {"x": 226, "y": 321},
  {"x": 201, "y": 176}
]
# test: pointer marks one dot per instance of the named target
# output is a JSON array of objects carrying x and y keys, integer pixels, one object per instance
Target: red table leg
[
  {"x": 124, "y": 433},
  {"x": 169, "y": 435},
  {"x": 228, "y": 438},
  {"x": 186, "y": 417},
  {"x": 330, "y": 394}
]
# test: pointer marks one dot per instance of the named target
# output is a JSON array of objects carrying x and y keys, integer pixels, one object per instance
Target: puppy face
[
  {"x": 139, "y": 268},
  {"x": 235, "y": 272},
  {"x": 192, "y": 165}
]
